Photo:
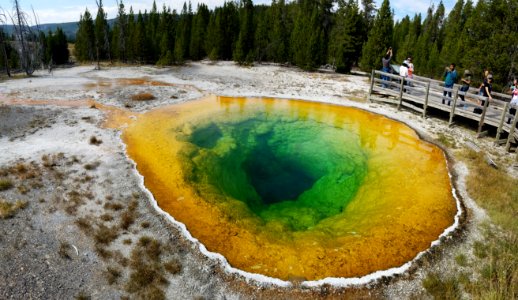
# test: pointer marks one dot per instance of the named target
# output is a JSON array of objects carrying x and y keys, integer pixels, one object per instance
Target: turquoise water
[{"x": 293, "y": 171}]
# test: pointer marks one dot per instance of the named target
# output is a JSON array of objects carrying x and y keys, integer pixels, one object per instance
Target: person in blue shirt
[{"x": 450, "y": 76}]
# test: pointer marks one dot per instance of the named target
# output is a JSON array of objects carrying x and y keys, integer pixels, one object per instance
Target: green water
[{"x": 296, "y": 172}]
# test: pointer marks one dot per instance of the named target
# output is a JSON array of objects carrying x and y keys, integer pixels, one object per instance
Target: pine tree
[
  {"x": 130, "y": 49},
  {"x": 141, "y": 45},
  {"x": 262, "y": 16},
  {"x": 121, "y": 37},
  {"x": 380, "y": 38},
  {"x": 199, "y": 32},
  {"x": 346, "y": 43},
  {"x": 85, "y": 38},
  {"x": 245, "y": 41},
  {"x": 279, "y": 39},
  {"x": 59, "y": 50},
  {"x": 183, "y": 34},
  {"x": 102, "y": 45},
  {"x": 166, "y": 32}
]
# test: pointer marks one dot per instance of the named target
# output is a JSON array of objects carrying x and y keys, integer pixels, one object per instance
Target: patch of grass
[
  {"x": 112, "y": 274},
  {"x": 127, "y": 219},
  {"x": 9, "y": 209},
  {"x": 85, "y": 225},
  {"x": 113, "y": 206},
  {"x": 145, "y": 224},
  {"x": 497, "y": 255},
  {"x": 95, "y": 141},
  {"x": 143, "y": 97},
  {"x": 22, "y": 189},
  {"x": 106, "y": 217},
  {"x": 83, "y": 296},
  {"x": 461, "y": 260},
  {"x": 5, "y": 184},
  {"x": 63, "y": 250},
  {"x": 103, "y": 252},
  {"x": 147, "y": 273},
  {"x": 494, "y": 190},
  {"x": 92, "y": 166},
  {"x": 173, "y": 266},
  {"x": 105, "y": 235},
  {"x": 442, "y": 289},
  {"x": 446, "y": 140}
]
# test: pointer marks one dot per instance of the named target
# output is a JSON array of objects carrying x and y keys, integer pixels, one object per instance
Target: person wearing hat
[{"x": 466, "y": 81}]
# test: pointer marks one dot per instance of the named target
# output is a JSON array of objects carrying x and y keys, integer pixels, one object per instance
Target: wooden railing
[{"x": 421, "y": 94}]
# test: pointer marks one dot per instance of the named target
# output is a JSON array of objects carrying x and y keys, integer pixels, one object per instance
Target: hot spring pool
[{"x": 293, "y": 189}]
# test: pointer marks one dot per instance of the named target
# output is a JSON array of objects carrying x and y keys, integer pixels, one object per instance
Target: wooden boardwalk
[{"x": 421, "y": 94}]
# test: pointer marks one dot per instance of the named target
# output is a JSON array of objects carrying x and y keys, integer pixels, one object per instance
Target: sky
[{"x": 60, "y": 11}]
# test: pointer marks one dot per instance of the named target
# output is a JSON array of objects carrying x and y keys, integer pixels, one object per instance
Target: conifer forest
[{"x": 306, "y": 33}]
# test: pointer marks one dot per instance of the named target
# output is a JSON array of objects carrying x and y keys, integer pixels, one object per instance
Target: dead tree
[
  {"x": 24, "y": 36},
  {"x": 3, "y": 20}
]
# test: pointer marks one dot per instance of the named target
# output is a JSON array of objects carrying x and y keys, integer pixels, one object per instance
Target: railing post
[
  {"x": 501, "y": 124},
  {"x": 372, "y": 86},
  {"x": 452, "y": 111},
  {"x": 401, "y": 92},
  {"x": 511, "y": 134},
  {"x": 426, "y": 99},
  {"x": 483, "y": 116}
]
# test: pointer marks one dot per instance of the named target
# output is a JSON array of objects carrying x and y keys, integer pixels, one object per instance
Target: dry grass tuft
[
  {"x": 103, "y": 252},
  {"x": 92, "y": 166},
  {"x": 95, "y": 141},
  {"x": 83, "y": 296},
  {"x": 5, "y": 184},
  {"x": 127, "y": 219},
  {"x": 85, "y": 225},
  {"x": 9, "y": 209},
  {"x": 106, "y": 217},
  {"x": 105, "y": 235},
  {"x": 112, "y": 274},
  {"x": 113, "y": 206},
  {"x": 143, "y": 97},
  {"x": 63, "y": 250},
  {"x": 173, "y": 266},
  {"x": 22, "y": 189},
  {"x": 145, "y": 224},
  {"x": 147, "y": 273}
]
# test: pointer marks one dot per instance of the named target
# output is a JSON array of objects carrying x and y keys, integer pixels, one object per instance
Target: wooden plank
[
  {"x": 409, "y": 105},
  {"x": 371, "y": 87},
  {"x": 401, "y": 89},
  {"x": 481, "y": 122},
  {"x": 511, "y": 132},
  {"x": 426, "y": 99},
  {"x": 452, "y": 112},
  {"x": 501, "y": 124},
  {"x": 386, "y": 100}
]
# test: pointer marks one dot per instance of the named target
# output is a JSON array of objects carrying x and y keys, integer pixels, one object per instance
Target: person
[
  {"x": 514, "y": 99},
  {"x": 410, "y": 65},
  {"x": 486, "y": 90},
  {"x": 481, "y": 87},
  {"x": 450, "y": 76},
  {"x": 466, "y": 81},
  {"x": 386, "y": 64}
]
